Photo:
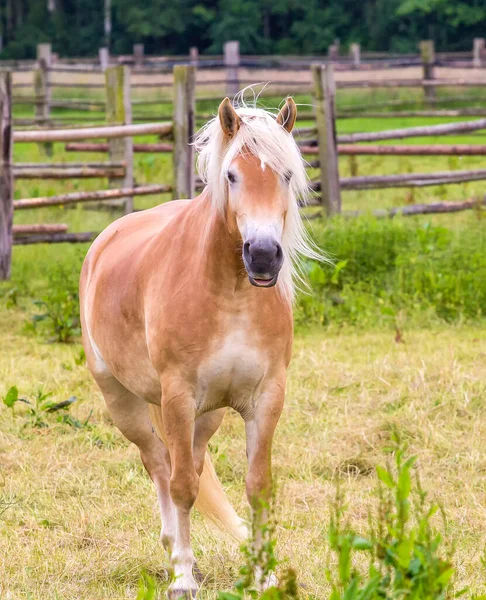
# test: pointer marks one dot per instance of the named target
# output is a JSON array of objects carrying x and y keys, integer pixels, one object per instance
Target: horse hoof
[{"x": 181, "y": 594}]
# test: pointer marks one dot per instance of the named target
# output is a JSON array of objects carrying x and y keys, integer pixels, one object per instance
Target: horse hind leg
[{"x": 131, "y": 415}]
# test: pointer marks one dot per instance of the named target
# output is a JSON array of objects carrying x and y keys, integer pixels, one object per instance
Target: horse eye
[
  {"x": 231, "y": 177},
  {"x": 288, "y": 176}
]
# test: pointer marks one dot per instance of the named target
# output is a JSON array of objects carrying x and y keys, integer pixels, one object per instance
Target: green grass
[{"x": 396, "y": 274}]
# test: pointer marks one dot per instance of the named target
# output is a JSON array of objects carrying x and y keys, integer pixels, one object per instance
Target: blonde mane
[{"x": 262, "y": 136}]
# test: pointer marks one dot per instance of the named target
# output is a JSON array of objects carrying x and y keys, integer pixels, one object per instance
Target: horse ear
[
  {"x": 287, "y": 115},
  {"x": 230, "y": 121}
]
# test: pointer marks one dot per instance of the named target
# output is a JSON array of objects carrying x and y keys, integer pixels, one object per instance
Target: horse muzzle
[{"x": 263, "y": 260}]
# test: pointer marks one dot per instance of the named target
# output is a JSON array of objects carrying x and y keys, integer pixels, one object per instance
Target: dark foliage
[{"x": 76, "y": 28}]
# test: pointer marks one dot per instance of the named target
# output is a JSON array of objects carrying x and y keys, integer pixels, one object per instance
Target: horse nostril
[
  {"x": 279, "y": 253},
  {"x": 246, "y": 251}
]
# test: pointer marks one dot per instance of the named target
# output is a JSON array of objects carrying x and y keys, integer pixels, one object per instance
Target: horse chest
[{"x": 232, "y": 374}]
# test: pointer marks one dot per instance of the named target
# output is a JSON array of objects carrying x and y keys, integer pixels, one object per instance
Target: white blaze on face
[
  {"x": 260, "y": 215},
  {"x": 259, "y": 228}
]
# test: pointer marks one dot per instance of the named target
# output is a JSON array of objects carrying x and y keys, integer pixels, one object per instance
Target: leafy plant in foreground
[
  {"x": 404, "y": 550},
  {"x": 12, "y": 297},
  {"x": 406, "y": 555},
  {"x": 58, "y": 308},
  {"x": 146, "y": 587},
  {"x": 263, "y": 562},
  {"x": 41, "y": 407},
  {"x": 12, "y": 397}
]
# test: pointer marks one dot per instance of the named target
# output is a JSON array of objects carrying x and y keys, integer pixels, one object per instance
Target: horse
[{"x": 186, "y": 310}]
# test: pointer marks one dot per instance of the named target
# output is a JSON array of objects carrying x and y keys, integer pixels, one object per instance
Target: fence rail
[
  {"x": 407, "y": 180},
  {"x": 69, "y": 173},
  {"x": 100, "y": 147},
  {"x": 70, "y": 135},
  {"x": 432, "y": 208},
  {"x": 39, "y": 228},
  {"x": 410, "y": 132},
  {"x": 414, "y": 150},
  {"x": 93, "y": 196},
  {"x": 54, "y": 238}
]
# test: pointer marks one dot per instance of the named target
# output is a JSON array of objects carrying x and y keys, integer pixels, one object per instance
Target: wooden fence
[
  {"x": 350, "y": 58},
  {"x": 229, "y": 73},
  {"x": 328, "y": 145},
  {"x": 118, "y": 170},
  {"x": 320, "y": 140}
]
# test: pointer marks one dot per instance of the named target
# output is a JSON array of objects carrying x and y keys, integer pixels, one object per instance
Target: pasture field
[
  {"x": 79, "y": 515},
  {"x": 391, "y": 338}
]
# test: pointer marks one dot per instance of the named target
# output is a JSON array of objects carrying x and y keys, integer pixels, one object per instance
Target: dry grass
[{"x": 79, "y": 514}]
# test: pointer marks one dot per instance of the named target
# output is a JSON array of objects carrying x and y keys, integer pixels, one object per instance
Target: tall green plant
[
  {"x": 408, "y": 557},
  {"x": 257, "y": 574},
  {"x": 58, "y": 307}
]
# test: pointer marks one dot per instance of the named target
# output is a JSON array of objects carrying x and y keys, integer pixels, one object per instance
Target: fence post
[
  {"x": 183, "y": 123},
  {"x": 6, "y": 174},
  {"x": 478, "y": 52},
  {"x": 40, "y": 92},
  {"x": 42, "y": 89},
  {"x": 44, "y": 53},
  {"x": 232, "y": 64},
  {"x": 119, "y": 112},
  {"x": 104, "y": 57},
  {"x": 325, "y": 100},
  {"x": 333, "y": 51},
  {"x": 138, "y": 54},
  {"x": 355, "y": 55},
  {"x": 427, "y": 54},
  {"x": 194, "y": 56}
]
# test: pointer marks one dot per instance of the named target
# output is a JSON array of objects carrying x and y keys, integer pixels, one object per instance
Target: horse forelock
[{"x": 261, "y": 135}]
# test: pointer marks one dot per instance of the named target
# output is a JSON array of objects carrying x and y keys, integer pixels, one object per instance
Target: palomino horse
[{"x": 187, "y": 309}]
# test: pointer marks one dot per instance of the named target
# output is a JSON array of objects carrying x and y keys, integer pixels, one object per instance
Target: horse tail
[{"x": 211, "y": 500}]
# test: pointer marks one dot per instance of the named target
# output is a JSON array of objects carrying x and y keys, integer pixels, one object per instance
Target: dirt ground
[{"x": 247, "y": 76}]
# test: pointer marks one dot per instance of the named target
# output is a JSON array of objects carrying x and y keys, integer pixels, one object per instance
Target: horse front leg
[
  {"x": 178, "y": 413},
  {"x": 259, "y": 435}
]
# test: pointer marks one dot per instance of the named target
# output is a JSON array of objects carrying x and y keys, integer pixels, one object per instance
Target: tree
[
  {"x": 107, "y": 23},
  {"x": 80, "y": 27}
]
